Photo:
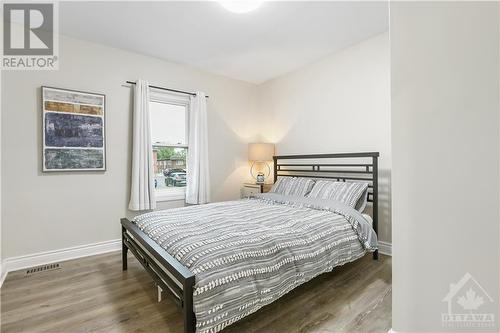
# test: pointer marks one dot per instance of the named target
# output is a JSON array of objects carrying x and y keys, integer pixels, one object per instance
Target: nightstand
[{"x": 249, "y": 190}]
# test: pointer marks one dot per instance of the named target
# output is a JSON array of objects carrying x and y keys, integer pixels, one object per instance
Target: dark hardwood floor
[{"x": 94, "y": 295}]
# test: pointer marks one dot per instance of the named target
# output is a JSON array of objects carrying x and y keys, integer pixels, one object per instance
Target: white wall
[
  {"x": 339, "y": 104},
  {"x": 2, "y": 272},
  {"x": 45, "y": 212},
  {"x": 445, "y": 152},
  {"x": 344, "y": 97}
]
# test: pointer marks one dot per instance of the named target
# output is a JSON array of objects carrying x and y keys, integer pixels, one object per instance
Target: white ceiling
[{"x": 277, "y": 38}]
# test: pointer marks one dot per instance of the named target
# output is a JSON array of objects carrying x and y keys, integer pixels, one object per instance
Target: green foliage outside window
[{"x": 167, "y": 153}]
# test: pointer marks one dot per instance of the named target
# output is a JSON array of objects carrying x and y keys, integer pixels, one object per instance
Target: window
[{"x": 169, "y": 137}]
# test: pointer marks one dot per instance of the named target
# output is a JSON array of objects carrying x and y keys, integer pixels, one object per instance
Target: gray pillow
[
  {"x": 362, "y": 202},
  {"x": 296, "y": 186},
  {"x": 348, "y": 193}
]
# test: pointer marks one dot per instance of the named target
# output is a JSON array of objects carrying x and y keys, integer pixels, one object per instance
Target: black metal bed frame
[
  {"x": 364, "y": 171},
  {"x": 173, "y": 277}
]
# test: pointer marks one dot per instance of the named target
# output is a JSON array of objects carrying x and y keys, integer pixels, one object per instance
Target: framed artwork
[{"x": 74, "y": 136}]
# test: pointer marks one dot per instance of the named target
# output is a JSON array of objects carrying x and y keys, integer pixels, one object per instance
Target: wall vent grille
[{"x": 43, "y": 268}]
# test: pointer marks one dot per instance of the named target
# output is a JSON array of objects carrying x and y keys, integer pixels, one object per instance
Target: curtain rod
[{"x": 167, "y": 89}]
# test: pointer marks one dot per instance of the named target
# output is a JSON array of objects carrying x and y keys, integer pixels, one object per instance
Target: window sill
[{"x": 170, "y": 195}]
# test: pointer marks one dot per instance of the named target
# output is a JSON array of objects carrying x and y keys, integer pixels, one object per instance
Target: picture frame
[{"x": 73, "y": 130}]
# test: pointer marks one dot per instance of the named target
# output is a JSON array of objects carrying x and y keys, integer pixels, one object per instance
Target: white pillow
[
  {"x": 348, "y": 193},
  {"x": 296, "y": 186},
  {"x": 362, "y": 202}
]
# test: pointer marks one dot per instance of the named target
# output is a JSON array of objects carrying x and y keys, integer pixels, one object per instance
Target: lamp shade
[{"x": 260, "y": 152}]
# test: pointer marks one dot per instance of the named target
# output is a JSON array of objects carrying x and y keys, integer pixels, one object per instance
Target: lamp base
[{"x": 261, "y": 177}]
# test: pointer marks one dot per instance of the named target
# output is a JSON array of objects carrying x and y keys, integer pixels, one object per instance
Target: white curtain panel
[
  {"x": 142, "y": 192},
  {"x": 198, "y": 180}
]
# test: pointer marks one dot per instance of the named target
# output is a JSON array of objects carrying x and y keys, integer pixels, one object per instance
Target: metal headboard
[{"x": 352, "y": 167}]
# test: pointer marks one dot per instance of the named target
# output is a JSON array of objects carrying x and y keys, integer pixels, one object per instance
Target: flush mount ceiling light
[{"x": 240, "y": 6}]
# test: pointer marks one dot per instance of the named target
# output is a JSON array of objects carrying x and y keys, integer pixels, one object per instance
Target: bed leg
[
  {"x": 124, "y": 251},
  {"x": 375, "y": 255},
  {"x": 187, "y": 306}
]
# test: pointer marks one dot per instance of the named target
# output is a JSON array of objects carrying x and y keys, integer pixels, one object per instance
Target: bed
[{"x": 224, "y": 261}]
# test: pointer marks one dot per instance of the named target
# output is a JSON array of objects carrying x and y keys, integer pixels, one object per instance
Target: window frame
[{"x": 164, "y": 97}]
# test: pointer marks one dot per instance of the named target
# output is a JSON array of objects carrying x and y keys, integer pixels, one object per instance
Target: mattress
[{"x": 247, "y": 253}]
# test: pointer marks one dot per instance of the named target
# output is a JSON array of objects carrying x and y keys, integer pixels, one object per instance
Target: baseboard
[
  {"x": 3, "y": 273},
  {"x": 385, "y": 248},
  {"x": 37, "y": 259},
  {"x": 392, "y": 331}
]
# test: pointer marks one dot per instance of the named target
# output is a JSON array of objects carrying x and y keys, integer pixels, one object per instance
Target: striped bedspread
[{"x": 246, "y": 254}]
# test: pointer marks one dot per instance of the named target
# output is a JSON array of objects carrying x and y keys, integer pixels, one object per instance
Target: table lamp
[{"x": 260, "y": 153}]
